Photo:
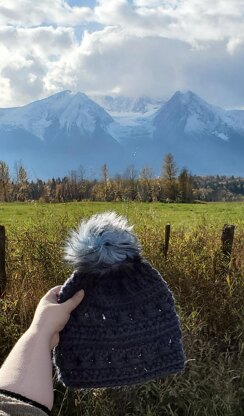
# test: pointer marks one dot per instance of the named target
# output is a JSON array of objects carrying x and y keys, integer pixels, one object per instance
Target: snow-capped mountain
[
  {"x": 66, "y": 108},
  {"x": 132, "y": 117},
  {"x": 55, "y": 135},
  {"x": 192, "y": 115},
  {"x": 205, "y": 137},
  {"x": 118, "y": 104},
  {"x": 62, "y": 130}
]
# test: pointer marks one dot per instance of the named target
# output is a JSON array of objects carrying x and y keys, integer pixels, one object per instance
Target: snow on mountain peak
[
  {"x": 189, "y": 99},
  {"x": 74, "y": 128},
  {"x": 80, "y": 110},
  {"x": 122, "y": 104},
  {"x": 66, "y": 107},
  {"x": 194, "y": 115}
]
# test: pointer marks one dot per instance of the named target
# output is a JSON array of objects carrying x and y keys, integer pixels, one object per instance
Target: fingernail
[{"x": 81, "y": 292}]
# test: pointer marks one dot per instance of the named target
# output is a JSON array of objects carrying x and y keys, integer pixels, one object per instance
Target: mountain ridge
[{"x": 70, "y": 129}]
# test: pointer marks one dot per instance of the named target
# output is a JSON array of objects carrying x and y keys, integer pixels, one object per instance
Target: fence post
[
  {"x": 166, "y": 240},
  {"x": 227, "y": 240},
  {"x": 3, "y": 276}
]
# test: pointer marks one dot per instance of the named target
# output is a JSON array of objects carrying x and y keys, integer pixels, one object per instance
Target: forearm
[{"x": 28, "y": 368}]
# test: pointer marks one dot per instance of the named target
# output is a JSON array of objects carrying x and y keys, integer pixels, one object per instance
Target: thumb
[{"x": 73, "y": 302}]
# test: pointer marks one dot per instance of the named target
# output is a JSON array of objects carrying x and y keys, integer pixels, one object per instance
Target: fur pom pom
[{"x": 101, "y": 241}]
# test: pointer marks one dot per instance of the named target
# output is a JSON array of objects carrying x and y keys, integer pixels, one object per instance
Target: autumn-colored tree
[
  {"x": 73, "y": 185},
  {"x": 130, "y": 183},
  {"x": 21, "y": 182},
  {"x": 105, "y": 182},
  {"x": 117, "y": 188},
  {"x": 5, "y": 181},
  {"x": 169, "y": 172},
  {"x": 121, "y": 187},
  {"x": 145, "y": 184}
]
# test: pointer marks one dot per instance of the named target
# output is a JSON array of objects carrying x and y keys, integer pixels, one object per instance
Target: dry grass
[{"x": 209, "y": 293}]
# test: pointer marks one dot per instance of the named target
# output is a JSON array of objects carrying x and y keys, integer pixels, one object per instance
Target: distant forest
[{"x": 173, "y": 185}]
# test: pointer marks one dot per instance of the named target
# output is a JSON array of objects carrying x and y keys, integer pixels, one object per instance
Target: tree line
[{"x": 173, "y": 185}]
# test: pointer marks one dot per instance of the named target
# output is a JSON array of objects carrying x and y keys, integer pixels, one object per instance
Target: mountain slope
[
  {"x": 191, "y": 115},
  {"x": 203, "y": 137},
  {"x": 66, "y": 108},
  {"x": 119, "y": 104},
  {"x": 56, "y": 135},
  {"x": 64, "y": 130}
]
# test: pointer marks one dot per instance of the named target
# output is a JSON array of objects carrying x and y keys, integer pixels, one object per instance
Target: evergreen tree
[{"x": 185, "y": 186}]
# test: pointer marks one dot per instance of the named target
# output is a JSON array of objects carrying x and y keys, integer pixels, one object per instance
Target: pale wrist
[{"x": 40, "y": 335}]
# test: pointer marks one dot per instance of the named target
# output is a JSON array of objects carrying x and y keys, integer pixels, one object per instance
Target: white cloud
[
  {"x": 33, "y": 13},
  {"x": 141, "y": 47},
  {"x": 47, "y": 40},
  {"x": 193, "y": 21},
  {"x": 6, "y": 93},
  {"x": 112, "y": 60},
  {"x": 25, "y": 56},
  {"x": 151, "y": 3},
  {"x": 233, "y": 44},
  {"x": 187, "y": 20}
]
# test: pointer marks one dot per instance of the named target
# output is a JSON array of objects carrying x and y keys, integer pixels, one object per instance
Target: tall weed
[{"x": 209, "y": 293}]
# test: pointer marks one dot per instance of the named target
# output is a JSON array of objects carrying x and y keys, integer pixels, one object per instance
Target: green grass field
[{"x": 157, "y": 214}]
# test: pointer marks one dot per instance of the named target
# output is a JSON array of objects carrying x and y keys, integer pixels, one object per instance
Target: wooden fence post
[
  {"x": 3, "y": 276},
  {"x": 227, "y": 240},
  {"x": 166, "y": 240}
]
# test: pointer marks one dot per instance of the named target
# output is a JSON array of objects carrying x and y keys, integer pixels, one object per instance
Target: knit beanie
[{"x": 126, "y": 330}]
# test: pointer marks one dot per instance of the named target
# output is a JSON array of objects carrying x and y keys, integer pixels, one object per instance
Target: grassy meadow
[
  {"x": 178, "y": 215},
  {"x": 209, "y": 293}
]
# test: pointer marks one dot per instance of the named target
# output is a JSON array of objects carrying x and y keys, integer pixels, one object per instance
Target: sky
[{"x": 122, "y": 47}]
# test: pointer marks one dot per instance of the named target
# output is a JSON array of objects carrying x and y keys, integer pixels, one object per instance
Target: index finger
[{"x": 53, "y": 293}]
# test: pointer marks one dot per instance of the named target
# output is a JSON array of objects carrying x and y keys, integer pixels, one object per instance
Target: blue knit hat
[{"x": 126, "y": 330}]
